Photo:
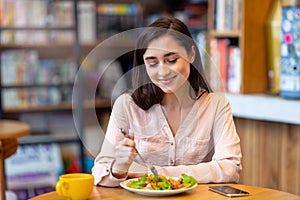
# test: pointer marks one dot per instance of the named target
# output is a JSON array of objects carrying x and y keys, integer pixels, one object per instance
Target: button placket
[{"x": 172, "y": 153}]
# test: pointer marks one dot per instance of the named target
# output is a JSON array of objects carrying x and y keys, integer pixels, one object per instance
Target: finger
[
  {"x": 131, "y": 134},
  {"x": 126, "y": 145},
  {"x": 128, "y": 142},
  {"x": 125, "y": 157},
  {"x": 125, "y": 150},
  {"x": 124, "y": 142}
]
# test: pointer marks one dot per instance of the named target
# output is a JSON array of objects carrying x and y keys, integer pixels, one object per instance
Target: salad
[{"x": 148, "y": 182}]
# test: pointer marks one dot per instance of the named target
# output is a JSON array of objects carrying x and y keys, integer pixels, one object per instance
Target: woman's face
[{"x": 167, "y": 63}]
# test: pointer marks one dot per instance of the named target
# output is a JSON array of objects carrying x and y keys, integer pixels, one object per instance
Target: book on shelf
[
  {"x": 113, "y": 18},
  {"x": 87, "y": 21},
  {"x": 201, "y": 38},
  {"x": 63, "y": 16},
  {"x": 36, "y": 12},
  {"x": 55, "y": 72},
  {"x": 213, "y": 74},
  {"x": 23, "y": 67},
  {"x": 42, "y": 14},
  {"x": 223, "y": 62},
  {"x": 224, "y": 67},
  {"x": 20, "y": 20},
  {"x": 6, "y": 19},
  {"x": 228, "y": 20},
  {"x": 14, "y": 98},
  {"x": 18, "y": 66},
  {"x": 23, "y": 13},
  {"x": 227, "y": 15},
  {"x": 234, "y": 70},
  {"x": 196, "y": 15},
  {"x": 7, "y": 12},
  {"x": 63, "y": 13},
  {"x": 219, "y": 15},
  {"x": 237, "y": 15}
]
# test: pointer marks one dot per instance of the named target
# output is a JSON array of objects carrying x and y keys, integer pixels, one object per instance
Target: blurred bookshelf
[
  {"x": 44, "y": 42},
  {"x": 39, "y": 58},
  {"x": 242, "y": 54},
  {"x": 234, "y": 22},
  {"x": 30, "y": 76}
]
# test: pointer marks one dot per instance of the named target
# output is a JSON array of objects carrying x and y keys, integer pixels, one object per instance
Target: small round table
[{"x": 10, "y": 130}]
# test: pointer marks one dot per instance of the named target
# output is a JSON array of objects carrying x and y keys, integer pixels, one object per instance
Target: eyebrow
[{"x": 166, "y": 55}]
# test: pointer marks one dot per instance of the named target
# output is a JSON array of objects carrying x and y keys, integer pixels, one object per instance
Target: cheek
[
  {"x": 183, "y": 69},
  {"x": 150, "y": 73}
]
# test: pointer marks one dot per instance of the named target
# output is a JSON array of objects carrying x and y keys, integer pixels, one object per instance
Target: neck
[{"x": 178, "y": 100}]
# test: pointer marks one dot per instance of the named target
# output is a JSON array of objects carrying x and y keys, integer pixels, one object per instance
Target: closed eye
[
  {"x": 172, "y": 61},
  {"x": 152, "y": 64}
]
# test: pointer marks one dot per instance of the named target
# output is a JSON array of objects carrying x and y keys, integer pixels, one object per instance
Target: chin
[{"x": 167, "y": 90}]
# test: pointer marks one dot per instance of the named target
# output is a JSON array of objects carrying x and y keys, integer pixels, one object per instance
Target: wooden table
[
  {"x": 10, "y": 130},
  {"x": 200, "y": 192}
]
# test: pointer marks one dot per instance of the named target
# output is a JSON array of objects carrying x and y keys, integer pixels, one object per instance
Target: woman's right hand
[{"x": 125, "y": 154}]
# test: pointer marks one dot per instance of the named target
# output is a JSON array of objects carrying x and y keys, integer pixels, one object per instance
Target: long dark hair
[{"x": 145, "y": 93}]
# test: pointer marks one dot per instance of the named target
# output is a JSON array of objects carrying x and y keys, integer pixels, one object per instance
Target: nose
[{"x": 163, "y": 70}]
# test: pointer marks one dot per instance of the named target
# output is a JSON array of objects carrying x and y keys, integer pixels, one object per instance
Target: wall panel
[{"x": 271, "y": 154}]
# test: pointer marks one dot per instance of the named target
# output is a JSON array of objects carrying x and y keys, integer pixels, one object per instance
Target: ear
[{"x": 192, "y": 54}]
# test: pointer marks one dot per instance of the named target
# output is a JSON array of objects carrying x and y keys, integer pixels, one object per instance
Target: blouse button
[
  {"x": 172, "y": 143},
  {"x": 172, "y": 161}
]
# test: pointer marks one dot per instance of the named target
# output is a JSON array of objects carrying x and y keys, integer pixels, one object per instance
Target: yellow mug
[{"x": 75, "y": 186}]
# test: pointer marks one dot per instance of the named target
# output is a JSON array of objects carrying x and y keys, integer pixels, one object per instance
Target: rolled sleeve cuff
[{"x": 103, "y": 175}]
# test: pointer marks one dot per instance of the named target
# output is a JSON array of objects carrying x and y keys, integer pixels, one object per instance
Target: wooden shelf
[
  {"x": 24, "y": 86},
  {"x": 49, "y": 45},
  {"x": 37, "y": 28},
  {"x": 46, "y": 139},
  {"x": 251, "y": 42},
  {"x": 37, "y": 46},
  {"x": 225, "y": 34},
  {"x": 48, "y": 108},
  {"x": 98, "y": 104},
  {"x": 86, "y": 48}
]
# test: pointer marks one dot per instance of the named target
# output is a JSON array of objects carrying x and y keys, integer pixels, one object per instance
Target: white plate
[{"x": 154, "y": 192}]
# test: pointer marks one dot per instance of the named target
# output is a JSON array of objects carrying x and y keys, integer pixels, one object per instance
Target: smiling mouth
[{"x": 166, "y": 80}]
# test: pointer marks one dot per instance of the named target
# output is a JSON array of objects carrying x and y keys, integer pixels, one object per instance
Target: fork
[{"x": 149, "y": 166}]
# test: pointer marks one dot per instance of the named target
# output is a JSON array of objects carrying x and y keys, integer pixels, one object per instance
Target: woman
[{"x": 175, "y": 121}]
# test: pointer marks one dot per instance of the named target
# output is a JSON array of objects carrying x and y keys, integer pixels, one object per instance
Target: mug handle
[{"x": 62, "y": 188}]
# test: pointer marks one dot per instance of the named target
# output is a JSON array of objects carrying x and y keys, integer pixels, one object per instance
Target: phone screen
[{"x": 228, "y": 191}]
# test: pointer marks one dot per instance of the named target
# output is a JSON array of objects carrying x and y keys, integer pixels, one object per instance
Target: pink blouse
[{"x": 206, "y": 145}]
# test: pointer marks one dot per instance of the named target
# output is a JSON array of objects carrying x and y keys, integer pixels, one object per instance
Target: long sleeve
[{"x": 105, "y": 159}]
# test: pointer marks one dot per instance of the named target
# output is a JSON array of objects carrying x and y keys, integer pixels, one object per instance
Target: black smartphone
[{"x": 228, "y": 191}]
